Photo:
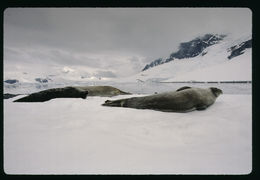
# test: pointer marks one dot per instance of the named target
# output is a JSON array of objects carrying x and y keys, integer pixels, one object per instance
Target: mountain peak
[{"x": 189, "y": 49}]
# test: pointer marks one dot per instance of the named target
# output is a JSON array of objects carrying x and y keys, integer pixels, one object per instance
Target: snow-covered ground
[{"x": 76, "y": 136}]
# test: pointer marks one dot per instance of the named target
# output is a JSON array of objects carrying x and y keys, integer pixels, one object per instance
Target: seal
[
  {"x": 45, "y": 95},
  {"x": 105, "y": 91},
  {"x": 185, "y": 99}
]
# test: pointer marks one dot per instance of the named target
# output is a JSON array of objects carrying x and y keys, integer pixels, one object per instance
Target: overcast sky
[{"x": 112, "y": 41}]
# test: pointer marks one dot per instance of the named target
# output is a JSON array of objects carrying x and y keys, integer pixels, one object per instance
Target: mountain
[
  {"x": 11, "y": 81},
  {"x": 225, "y": 58},
  {"x": 42, "y": 80},
  {"x": 239, "y": 49},
  {"x": 189, "y": 49},
  {"x": 205, "y": 59}
]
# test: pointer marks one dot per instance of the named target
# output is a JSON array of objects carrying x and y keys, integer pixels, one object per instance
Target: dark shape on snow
[
  {"x": 72, "y": 92},
  {"x": 45, "y": 95},
  {"x": 11, "y": 81},
  {"x": 185, "y": 99},
  {"x": 41, "y": 80},
  {"x": 8, "y": 95},
  {"x": 189, "y": 49},
  {"x": 239, "y": 49}
]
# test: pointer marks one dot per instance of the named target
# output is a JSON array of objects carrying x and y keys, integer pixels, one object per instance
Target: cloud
[
  {"x": 67, "y": 70},
  {"x": 121, "y": 40},
  {"x": 107, "y": 74}
]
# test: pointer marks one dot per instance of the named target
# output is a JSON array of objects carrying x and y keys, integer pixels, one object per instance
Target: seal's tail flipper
[
  {"x": 125, "y": 93},
  {"x": 20, "y": 100}
]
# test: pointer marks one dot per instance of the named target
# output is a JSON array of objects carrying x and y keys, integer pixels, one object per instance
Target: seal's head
[
  {"x": 84, "y": 94},
  {"x": 216, "y": 91}
]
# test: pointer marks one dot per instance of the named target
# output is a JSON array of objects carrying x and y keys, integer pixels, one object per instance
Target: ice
[{"x": 76, "y": 136}]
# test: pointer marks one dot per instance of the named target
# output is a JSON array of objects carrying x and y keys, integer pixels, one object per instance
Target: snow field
[
  {"x": 240, "y": 69},
  {"x": 76, "y": 136}
]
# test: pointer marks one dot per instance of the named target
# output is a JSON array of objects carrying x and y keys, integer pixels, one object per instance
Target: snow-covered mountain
[
  {"x": 207, "y": 58},
  {"x": 224, "y": 58},
  {"x": 189, "y": 49}
]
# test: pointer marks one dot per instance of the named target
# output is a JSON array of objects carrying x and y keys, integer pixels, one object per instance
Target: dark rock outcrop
[
  {"x": 8, "y": 96},
  {"x": 154, "y": 63},
  {"x": 239, "y": 49},
  {"x": 195, "y": 47},
  {"x": 189, "y": 49},
  {"x": 11, "y": 81},
  {"x": 41, "y": 80}
]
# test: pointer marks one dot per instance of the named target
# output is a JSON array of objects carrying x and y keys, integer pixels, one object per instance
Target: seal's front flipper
[
  {"x": 112, "y": 103},
  {"x": 201, "y": 107},
  {"x": 116, "y": 103}
]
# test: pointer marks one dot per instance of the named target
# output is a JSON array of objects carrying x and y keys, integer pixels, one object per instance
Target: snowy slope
[
  {"x": 204, "y": 67},
  {"x": 237, "y": 69},
  {"x": 75, "y": 136}
]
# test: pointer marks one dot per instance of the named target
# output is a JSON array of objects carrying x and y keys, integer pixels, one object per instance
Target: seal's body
[
  {"x": 72, "y": 92},
  {"x": 67, "y": 92},
  {"x": 183, "y": 100},
  {"x": 106, "y": 91}
]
